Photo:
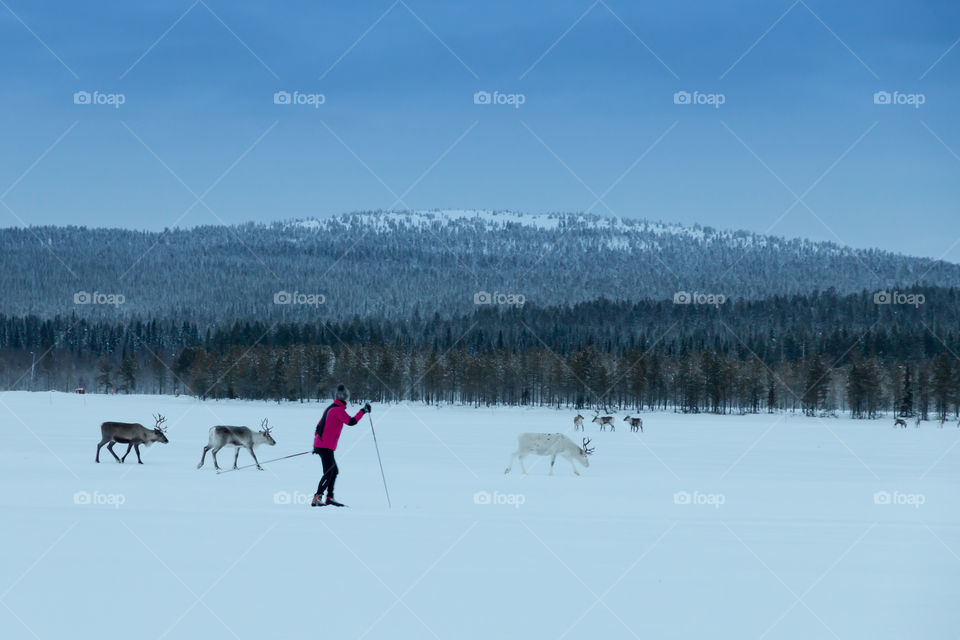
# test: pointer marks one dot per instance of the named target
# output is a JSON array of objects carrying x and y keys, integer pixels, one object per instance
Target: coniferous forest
[{"x": 819, "y": 353}]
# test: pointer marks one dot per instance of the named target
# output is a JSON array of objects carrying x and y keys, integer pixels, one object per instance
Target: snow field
[{"x": 722, "y": 526}]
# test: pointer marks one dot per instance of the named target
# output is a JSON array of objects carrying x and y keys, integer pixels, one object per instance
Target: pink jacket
[{"x": 331, "y": 424}]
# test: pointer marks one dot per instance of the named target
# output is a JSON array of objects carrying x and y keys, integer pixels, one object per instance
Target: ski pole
[
  {"x": 389, "y": 506},
  {"x": 247, "y": 466}
]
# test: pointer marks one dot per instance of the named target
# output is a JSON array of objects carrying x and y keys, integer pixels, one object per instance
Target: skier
[{"x": 325, "y": 443}]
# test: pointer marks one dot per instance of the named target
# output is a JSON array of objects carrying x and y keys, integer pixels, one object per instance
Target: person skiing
[{"x": 325, "y": 441}]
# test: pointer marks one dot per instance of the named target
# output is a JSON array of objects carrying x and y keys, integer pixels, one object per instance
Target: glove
[{"x": 367, "y": 408}]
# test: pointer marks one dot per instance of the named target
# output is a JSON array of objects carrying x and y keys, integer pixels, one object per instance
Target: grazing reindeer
[
  {"x": 553, "y": 445},
  {"x": 221, "y": 437},
  {"x": 636, "y": 424},
  {"x": 578, "y": 423},
  {"x": 604, "y": 421},
  {"x": 899, "y": 422},
  {"x": 133, "y": 434}
]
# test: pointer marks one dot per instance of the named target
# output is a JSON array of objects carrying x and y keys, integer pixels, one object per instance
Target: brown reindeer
[
  {"x": 604, "y": 422},
  {"x": 899, "y": 422},
  {"x": 636, "y": 424},
  {"x": 133, "y": 434},
  {"x": 578, "y": 423}
]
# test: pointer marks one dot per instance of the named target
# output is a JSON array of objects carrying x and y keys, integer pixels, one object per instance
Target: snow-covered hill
[{"x": 391, "y": 264}]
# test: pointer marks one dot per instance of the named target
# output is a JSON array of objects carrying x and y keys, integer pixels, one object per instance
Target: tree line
[{"x": 819, "y": 353}]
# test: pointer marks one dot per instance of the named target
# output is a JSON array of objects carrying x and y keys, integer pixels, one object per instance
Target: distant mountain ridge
[{"x": 394, "y": 264}]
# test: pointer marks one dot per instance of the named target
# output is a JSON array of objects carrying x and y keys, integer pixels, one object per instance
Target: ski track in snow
[{"x": 787, "y": 541}]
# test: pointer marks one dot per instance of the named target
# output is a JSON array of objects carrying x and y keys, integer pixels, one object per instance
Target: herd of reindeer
[
  {"x": 636, "y": 424},
  {"x": 900, "y": 422},
  {"x": 550, "y": 445},
  {"x": 134, "y": 434}
]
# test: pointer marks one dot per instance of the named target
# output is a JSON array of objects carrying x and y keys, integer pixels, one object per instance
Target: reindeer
[
  {"x": 553, "y": 445},
  {"x": 578, "y": 423},
  {"x": 222, "y": 436},
  {"x": 604, "y": 421},
  {"x": 942, "y": 420},
  {"x": 636, "y": 424},
  {"x": 899, "y": 422},
  {"x": 917, "y": 423},
  {"x": 133, "y": 434}
]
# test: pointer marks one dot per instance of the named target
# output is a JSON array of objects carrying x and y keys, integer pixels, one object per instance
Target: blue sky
[{"x": 798, "y": 147}]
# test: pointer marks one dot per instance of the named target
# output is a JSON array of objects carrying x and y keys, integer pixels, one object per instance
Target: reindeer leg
[
  {"x": 136, "y": 447},
  {"x": 523, "y": 467},
  {"x": 214, "y": 454},
  {"x": 204, "y": 456},
  {"x": 236, "y": 455},
  {"x": 254, "y": 457},
  {"x": 112, "y": 452},
  {"x": 552, "y": 460},
  {"x": 573, "y": 466},
  {"x": 510, "y": 466},
  {"x": 129, "y": 446},
  {"x": 102, "y": 442}
]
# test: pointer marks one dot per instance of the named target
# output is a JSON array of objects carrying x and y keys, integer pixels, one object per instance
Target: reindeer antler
[
  {"x": 159, "y": 419},
  {"x": 264, "y": 426},
  {"x": 586, "y": 451}
]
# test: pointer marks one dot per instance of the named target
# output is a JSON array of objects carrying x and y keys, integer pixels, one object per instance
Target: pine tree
[
  {"x": 771, "y": 393},
  {"x": 816, "y": 385},
  {"x": 128, "y": 373},
  {"x": 905, "y": 408},
  {"x": 943, "y": 383},
  {"x": 104, "y": 374}
]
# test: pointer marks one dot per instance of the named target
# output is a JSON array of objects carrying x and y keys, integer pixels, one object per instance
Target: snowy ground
[{"x": 702, "y": 527}]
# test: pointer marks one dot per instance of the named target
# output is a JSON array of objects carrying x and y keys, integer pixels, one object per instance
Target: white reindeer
[
  {"x": 578, "y": 423},
  {"x": 222, "y": 436},
  {"x": 604, "y": 422},
  {"x": 636, "y": 424},
  {"x": 553, "y": 445}
]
